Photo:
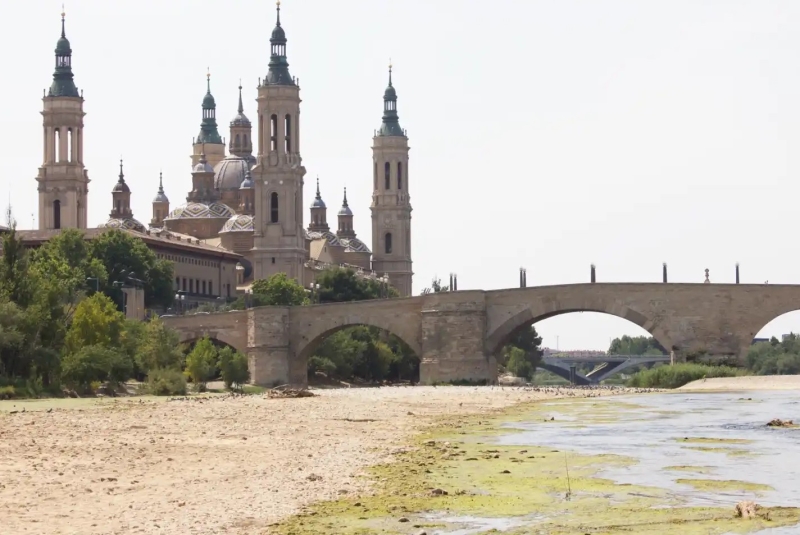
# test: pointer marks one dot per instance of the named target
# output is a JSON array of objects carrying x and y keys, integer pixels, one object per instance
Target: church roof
[
  {"x": 238, "y": 223},
  {"x": 124, "y": 223},
  {"x": 196, "y": 210},
  {"x": 231, "y": 172}
]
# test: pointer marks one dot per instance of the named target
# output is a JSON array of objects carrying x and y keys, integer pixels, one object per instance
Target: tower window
[
  {"x": 245, "y": 140},
  {"x": 273, "y": 208},
  {"x": 57, "y": 143},
  {"x": 399, "y": 175},
  {"x": 388, "y": 243},
  {"x": 287, "y": 133},
  {"x": 237, "y": 141},
  {"x": 261, "y": 135},
  {"x": 387, "y": 171},
  {"x": 375, "y": 176},
  {"x": 119, "y": 206},
  {"x": 56, "y": 214},
  {"x": 273, "y": 132},
  {"x": 69, "y": 144}
]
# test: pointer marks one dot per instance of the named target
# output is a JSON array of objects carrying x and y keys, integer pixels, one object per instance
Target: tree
[
  {"x": 524, "y": 346},
  {"x": 159, "y": 349},
  {"x": 341, "y": 285},
  {"x": 279, "y": 290},
  {"x": 96, "y": 322},
  {"x": 233, "y": 368},
  {"x": 436, "y": 287},
  {"x": 636, "y": 345},
  {"x": 95, "y": 363},
  {"x": 122, "y": 255},
  {"x": 200, "y": 362}
]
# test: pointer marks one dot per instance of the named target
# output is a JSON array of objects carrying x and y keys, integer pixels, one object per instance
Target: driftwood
[{"x": 287, "y": 391}]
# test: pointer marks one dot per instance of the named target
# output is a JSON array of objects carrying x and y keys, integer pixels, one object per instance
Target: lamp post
[
  {"x": 96, "y": 283},
  {"x": 314, "y": 290},
  {"x": 180, "y": 297}
]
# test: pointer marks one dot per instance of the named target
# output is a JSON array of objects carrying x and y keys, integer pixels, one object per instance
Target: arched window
[
  {"x": 273, "y": 132},
  {"x": 237, "y": 142},
  {"x": 375, "y": 177},
  {"x": 287, "y": 133},
  {"x": 56, "y": 214},
  {"x": 273, "y": 208},
  {"x": 57, "y": 143},
  {"x": 387, "y": 171},
  {"x": 69, "y": 145},
  {"x": 399, "y": 175},
  {"x": 261, "y": 134},
  {"x": 388, "y": 243},
  {"x": 245, "y": 139},
  {"x": 119, "y": 206}
]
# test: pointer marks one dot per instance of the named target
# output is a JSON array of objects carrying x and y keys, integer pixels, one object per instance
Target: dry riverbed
[{"x": 212, "y": 465}]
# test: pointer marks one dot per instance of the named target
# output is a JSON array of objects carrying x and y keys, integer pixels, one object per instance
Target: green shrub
[
  {"x": 166, "y": 382},
  {"x": 7, "y": 392},
  {"x": 95, "y": 364},
  {"x": 679, "y": 375},
  {"x": 518, "y": 364},
  {"x": 233, "y": 368}
]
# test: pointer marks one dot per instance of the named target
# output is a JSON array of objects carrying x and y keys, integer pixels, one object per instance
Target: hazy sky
[{"x": 546, "y": 134}]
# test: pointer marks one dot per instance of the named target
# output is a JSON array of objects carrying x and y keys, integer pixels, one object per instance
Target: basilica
[{"x": 245, "y": 201}]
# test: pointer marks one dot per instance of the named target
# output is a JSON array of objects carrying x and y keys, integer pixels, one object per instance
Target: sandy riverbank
[
  {"x": 759, "y": 382},
  {"x": 221, "y": 465}
]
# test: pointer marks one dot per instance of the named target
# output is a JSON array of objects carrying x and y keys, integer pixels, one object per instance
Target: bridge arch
[
  {"x": 536, "y": 311},
  {"x": 190, "y": 337}
]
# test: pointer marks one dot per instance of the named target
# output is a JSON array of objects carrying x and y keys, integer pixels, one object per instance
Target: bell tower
[
  {"x": 63, "y": 180},
  {"x": 391, "y": 202},
  {"x": 208, "y": 142},
  {"x": 279, "y": 237}
]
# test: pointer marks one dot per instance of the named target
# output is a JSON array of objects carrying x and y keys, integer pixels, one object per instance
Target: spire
[
  {"x": 345, "y": 208},
  {"x": 278, "y": 73},
  {"x": 318, "y": 202},
  {"x": 161, "y": 196},
  {"x": 208, "y": 127},
  {"x": 63, "y": 84},
  {"x": 121, "y": 186},
  {"x": 391, "y": 122},
  {"x": 240, "y": 119}
]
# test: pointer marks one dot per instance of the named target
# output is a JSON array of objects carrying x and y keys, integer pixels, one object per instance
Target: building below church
[{"x": 242, "y": 218}]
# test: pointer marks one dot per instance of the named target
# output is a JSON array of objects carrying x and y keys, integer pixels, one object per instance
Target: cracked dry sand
[{"x": 222, "y": 465}]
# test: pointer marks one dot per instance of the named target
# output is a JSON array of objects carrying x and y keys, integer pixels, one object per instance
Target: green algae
[
  {"x": 715, "y": 485},
  {"x": 454, "y": 468},
  {"x": 695, "y": 469},
  {"x": 706, "y": 440},
  {"x": 730, "y": 452}
]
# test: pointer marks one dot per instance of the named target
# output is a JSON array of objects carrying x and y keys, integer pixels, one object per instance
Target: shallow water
[{"x": 653, "y": 434}]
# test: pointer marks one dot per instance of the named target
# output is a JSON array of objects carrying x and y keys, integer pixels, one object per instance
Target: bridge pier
[{"x": 453, "y": 338}]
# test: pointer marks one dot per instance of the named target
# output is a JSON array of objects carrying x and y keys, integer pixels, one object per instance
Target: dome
[
  {"x": 247, "y": 183},
  {"x": 345, "y": 210},
  {"x": 124, "y": 223},
  {"x": 330, "y": 237},
  {"x": 63, "y": 47},
  {"x": 238, "y": 223},
  {"x": 278, "y": 34},
  {"x": 240, "y": 120},
  {"x": 160, "y": 197},
  {"x": 318, "y": 203},
  {"x": 230, "y": 172},
  {"x": 208, "y": 101},
  {"x": 196, "y": 210},
  {"x": 390, "y": 93},
  {"x": 121, "y": 187},
  {"x": 354, "y": 245},
  {"x": 203, "y": 166}
]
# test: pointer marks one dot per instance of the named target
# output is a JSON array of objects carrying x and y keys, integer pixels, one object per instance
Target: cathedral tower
[
  {"x": 160, "y": 205},
  {"x": 63, "y": 180},
  {"x": 121, "y": 197},
  {"x": 279, "y": 237},
  {"x": 208, "y": 142},
  {"x": 345, "y": 220},
  {"x": 241, "y": 141},
  {"x": 319, "y": 214},
  {"x": 391, "y": 203}
]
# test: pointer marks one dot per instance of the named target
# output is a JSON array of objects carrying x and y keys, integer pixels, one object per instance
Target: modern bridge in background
[{"x": 605, "y": 366}]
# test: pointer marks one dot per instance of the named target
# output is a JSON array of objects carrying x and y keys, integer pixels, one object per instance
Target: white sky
[{"x": 545, "y": 134}]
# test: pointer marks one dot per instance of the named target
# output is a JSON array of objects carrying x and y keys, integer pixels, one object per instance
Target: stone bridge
[
  {"x": 457, "y": 334},
  {"x": 605, "y": 366}
]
